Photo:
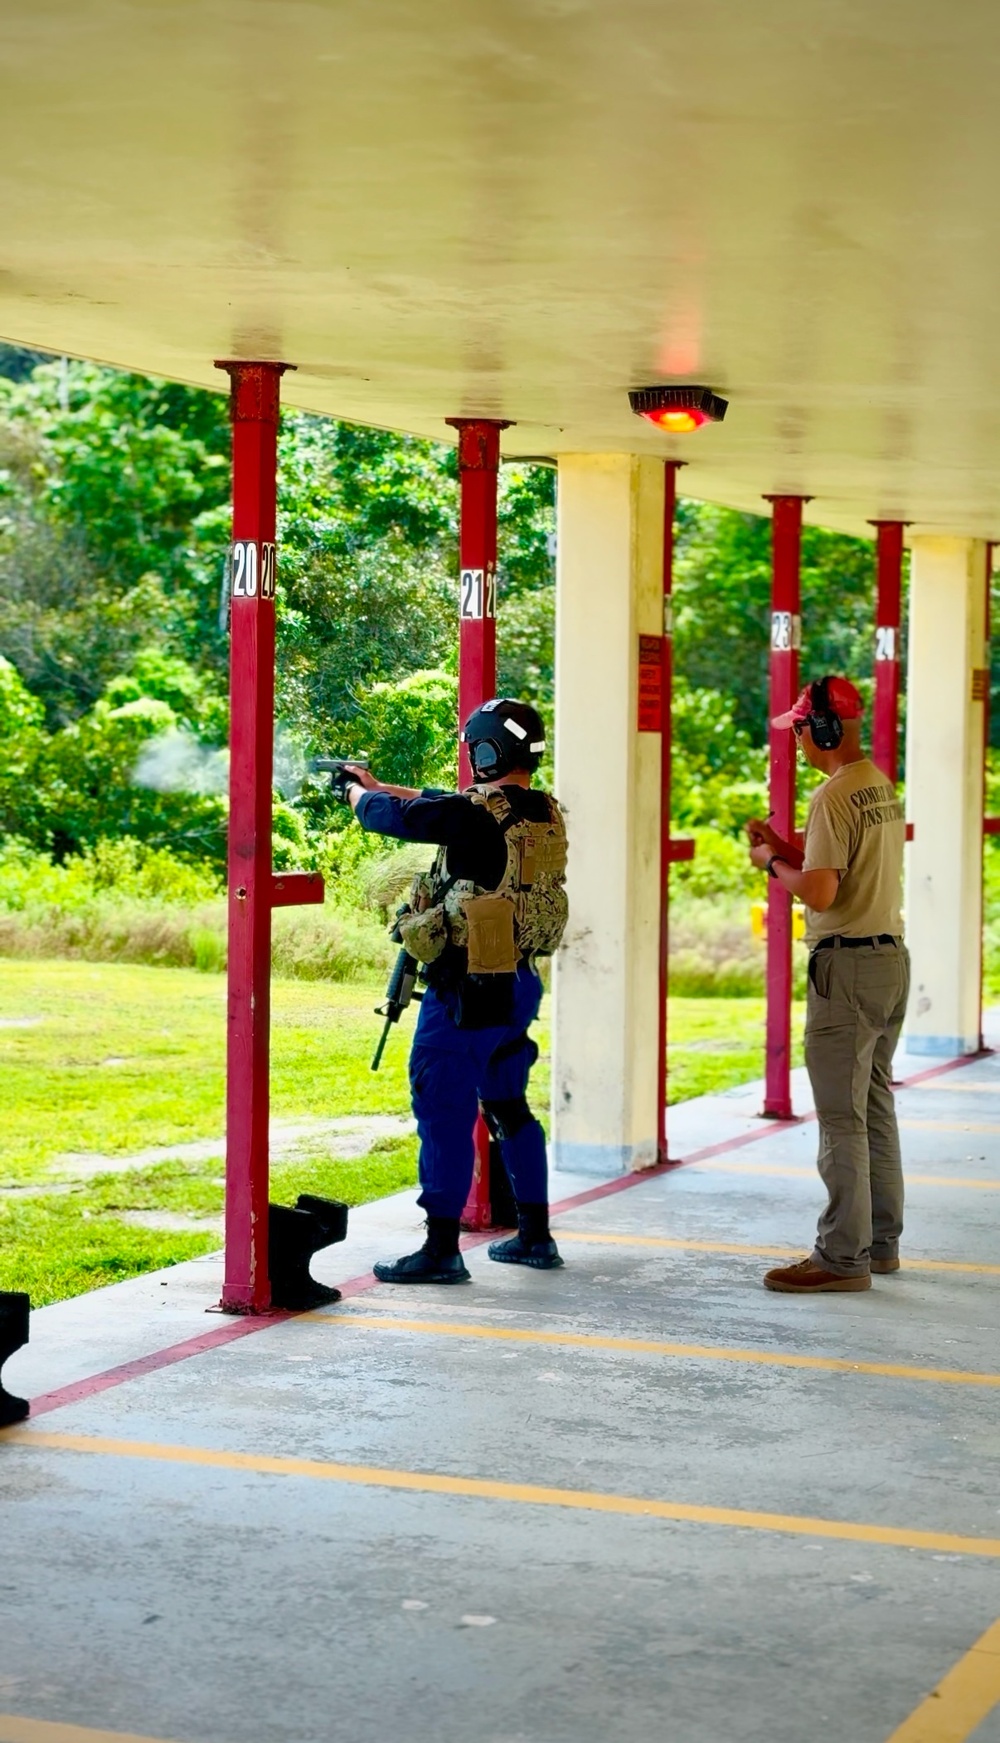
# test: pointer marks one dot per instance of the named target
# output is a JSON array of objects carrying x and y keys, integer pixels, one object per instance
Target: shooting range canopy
[{"x": 522, "y": 211}]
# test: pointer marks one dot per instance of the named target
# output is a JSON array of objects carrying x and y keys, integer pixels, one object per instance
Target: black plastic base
[
  {"x": 295, "y": 1234},
  {"x": 15, "y": 1309}
]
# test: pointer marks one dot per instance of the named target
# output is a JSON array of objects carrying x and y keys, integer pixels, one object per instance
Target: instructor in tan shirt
[{"x": 848, "y": 876}]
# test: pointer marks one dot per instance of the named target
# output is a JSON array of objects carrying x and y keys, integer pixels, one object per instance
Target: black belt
[{"x": 836, "y": 938}]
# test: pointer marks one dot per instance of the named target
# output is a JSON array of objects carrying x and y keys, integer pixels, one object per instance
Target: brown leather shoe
[
  {"x": 805, "y": 1278},
  {"x": 882, "y": 1267}
]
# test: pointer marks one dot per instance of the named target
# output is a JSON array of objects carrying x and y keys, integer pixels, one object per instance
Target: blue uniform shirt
[{"x": 472, "y": 836}]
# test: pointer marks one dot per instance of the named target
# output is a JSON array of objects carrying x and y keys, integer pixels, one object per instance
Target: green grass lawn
[{"x": 111, "y": 1059}]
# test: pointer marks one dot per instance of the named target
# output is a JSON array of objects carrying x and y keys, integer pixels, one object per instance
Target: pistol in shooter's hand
[{"x": 344, "y": 772}]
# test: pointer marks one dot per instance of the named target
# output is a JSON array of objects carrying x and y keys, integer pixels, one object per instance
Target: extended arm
[{"x": 364, "y": 782}]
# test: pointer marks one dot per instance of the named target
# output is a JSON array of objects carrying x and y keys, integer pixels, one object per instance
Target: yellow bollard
[{"x": 758, "y": 920}]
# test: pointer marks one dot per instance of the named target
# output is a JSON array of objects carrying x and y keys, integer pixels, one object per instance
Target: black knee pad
[{"x": 506, "y": 1118}]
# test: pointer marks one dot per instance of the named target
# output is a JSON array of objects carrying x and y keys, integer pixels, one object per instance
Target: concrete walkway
[{"x": 638, "y": 1499}]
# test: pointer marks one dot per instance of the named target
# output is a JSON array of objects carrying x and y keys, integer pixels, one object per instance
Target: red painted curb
[
  {"x": 241, "y": 1328},
  {"x": 103, "y": 1382}
]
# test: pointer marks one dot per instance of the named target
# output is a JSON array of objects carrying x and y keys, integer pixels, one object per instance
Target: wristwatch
[{"x": 770, "y": 864}]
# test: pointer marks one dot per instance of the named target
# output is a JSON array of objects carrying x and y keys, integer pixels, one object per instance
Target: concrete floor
[{"x": 420, "y": 1515}]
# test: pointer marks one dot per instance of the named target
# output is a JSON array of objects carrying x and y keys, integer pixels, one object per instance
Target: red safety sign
[{"x": 650, "y": 690}]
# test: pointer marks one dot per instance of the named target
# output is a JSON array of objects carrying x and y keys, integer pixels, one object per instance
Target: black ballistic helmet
[{"x": 503, "y": 735}]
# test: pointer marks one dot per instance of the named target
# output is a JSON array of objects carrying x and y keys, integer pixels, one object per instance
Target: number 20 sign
[
  {"x": 247, "y": 573},
  {"x": 477, "y": 593}
]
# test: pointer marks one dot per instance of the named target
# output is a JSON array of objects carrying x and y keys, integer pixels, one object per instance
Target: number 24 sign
[
  {"x": 477, "y": 593},
  {"x": 247, "y": 573}
]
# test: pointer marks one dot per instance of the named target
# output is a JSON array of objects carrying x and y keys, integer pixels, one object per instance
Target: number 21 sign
[{"x": 477, "y": 594}]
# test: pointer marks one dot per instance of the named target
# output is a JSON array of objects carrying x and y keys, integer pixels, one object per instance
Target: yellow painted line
[
  {"x": 16, "y": 1730},
  {"x": 937, "y": 1085},
  {"x": 651, "y": 1347},
  {"x": 606, "y": 1240},
  {"x": 948, "y": 1126},
  {"x": 528, "y": 1494},
  {"x": 962, "y": 1699},
  {"x": 809, "y": 1174}
]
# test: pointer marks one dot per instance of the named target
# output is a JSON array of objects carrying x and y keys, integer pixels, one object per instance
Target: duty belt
[{"x": 837, "y": 940}]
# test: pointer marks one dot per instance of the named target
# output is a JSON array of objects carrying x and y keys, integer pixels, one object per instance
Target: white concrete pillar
[
  {"x": 609, "y": 591},
  {"x": 944, "y": 792}
]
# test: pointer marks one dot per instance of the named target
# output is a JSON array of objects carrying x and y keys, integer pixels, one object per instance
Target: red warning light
[{"x": 677, "y": 410}]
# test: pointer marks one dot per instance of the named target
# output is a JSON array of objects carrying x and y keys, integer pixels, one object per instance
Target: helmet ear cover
[
  {"x": 488, "y": 759},
  {"x": 824, "y": 722},
  {"x": 502, "y": 735}
]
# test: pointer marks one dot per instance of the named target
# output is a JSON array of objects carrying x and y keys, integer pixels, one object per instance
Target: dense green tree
[
  {"x": 109, "y": 487},
  {"x": 526, "y": 530},
  {"x": 114, "y": 528},
  {"x": 365, "y": 592},
  {"x": 723, "y": 592}
]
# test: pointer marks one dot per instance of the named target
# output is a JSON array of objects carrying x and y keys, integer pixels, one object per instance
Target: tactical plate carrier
[{"x": 524, "y": 916}]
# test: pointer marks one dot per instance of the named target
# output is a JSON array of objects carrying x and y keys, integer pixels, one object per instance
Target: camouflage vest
[{"x": 532, "y": 887}]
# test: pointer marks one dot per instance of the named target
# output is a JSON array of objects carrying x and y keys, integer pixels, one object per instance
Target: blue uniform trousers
[{"x": 451, "y": 1070}]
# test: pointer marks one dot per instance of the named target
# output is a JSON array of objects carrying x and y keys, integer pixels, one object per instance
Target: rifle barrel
[{"x": 383, "y": 1038}]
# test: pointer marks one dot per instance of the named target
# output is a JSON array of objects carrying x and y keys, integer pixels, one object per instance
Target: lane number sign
[
  {"x": 249, "y": 573},
  {"x": 885, "y": 642},
  {"x": 477, "y": 594},
  {"x": 786, "y": 632}
]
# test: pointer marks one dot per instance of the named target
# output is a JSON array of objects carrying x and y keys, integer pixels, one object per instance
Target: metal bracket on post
[
  {"x": 491, "y": 1202},
  {"x": 784, "y": 683},
  {"x": 15, "y": 1311}
]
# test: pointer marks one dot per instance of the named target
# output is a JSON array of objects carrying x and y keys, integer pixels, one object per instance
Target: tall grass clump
[{"x": 124, "y": 902}]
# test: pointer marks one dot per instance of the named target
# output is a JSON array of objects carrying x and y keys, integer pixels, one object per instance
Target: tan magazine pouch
[{"x": 491, "y": 935}]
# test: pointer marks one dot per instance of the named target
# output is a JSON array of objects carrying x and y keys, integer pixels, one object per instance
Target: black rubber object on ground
[
  {"x": 15, "y": 1309},
  {"x": 295, "y": 1233}
]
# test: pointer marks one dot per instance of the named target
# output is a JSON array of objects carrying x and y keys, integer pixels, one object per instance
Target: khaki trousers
[{"x": 854, "y": 1013}]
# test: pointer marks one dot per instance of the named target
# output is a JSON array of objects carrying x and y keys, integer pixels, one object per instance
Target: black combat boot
[
  {"x": 532, "y": 1245},
  {"x": 438, "y": 1261}
]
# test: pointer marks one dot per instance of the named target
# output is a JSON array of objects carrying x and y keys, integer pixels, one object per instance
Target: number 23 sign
[
  {"x": 248, "y": 574},
  {"x": 477, "y": 593}
]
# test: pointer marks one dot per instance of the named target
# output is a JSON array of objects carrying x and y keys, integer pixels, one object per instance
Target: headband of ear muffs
[{"x": 824, "y": 722}]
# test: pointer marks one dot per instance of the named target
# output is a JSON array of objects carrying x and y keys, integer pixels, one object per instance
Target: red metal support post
[
  {"x": 254, "y": 409},
  {"x": 478, "y": 470},
  {"x": 888, "y": 612},
  {"x": 667, "y": 853},
  {"x": 991, "y": 825},
  {"x": 786, "y": 628}
]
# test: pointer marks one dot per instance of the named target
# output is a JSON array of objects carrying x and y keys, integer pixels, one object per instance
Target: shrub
[
  {"x": 409, "y": 729},
  {"x": 123, "y": 867},
  {"x": 720, "y": 867}
]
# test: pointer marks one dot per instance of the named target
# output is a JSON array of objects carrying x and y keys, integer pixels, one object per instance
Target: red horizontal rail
[{"x": 297, "y": 889}]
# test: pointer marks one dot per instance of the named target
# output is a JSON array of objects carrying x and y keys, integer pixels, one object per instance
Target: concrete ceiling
[{"x": 522, "y": 208}]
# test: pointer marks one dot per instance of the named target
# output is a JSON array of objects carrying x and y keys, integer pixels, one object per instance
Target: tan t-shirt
[{"x": 856, "y": 826}]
